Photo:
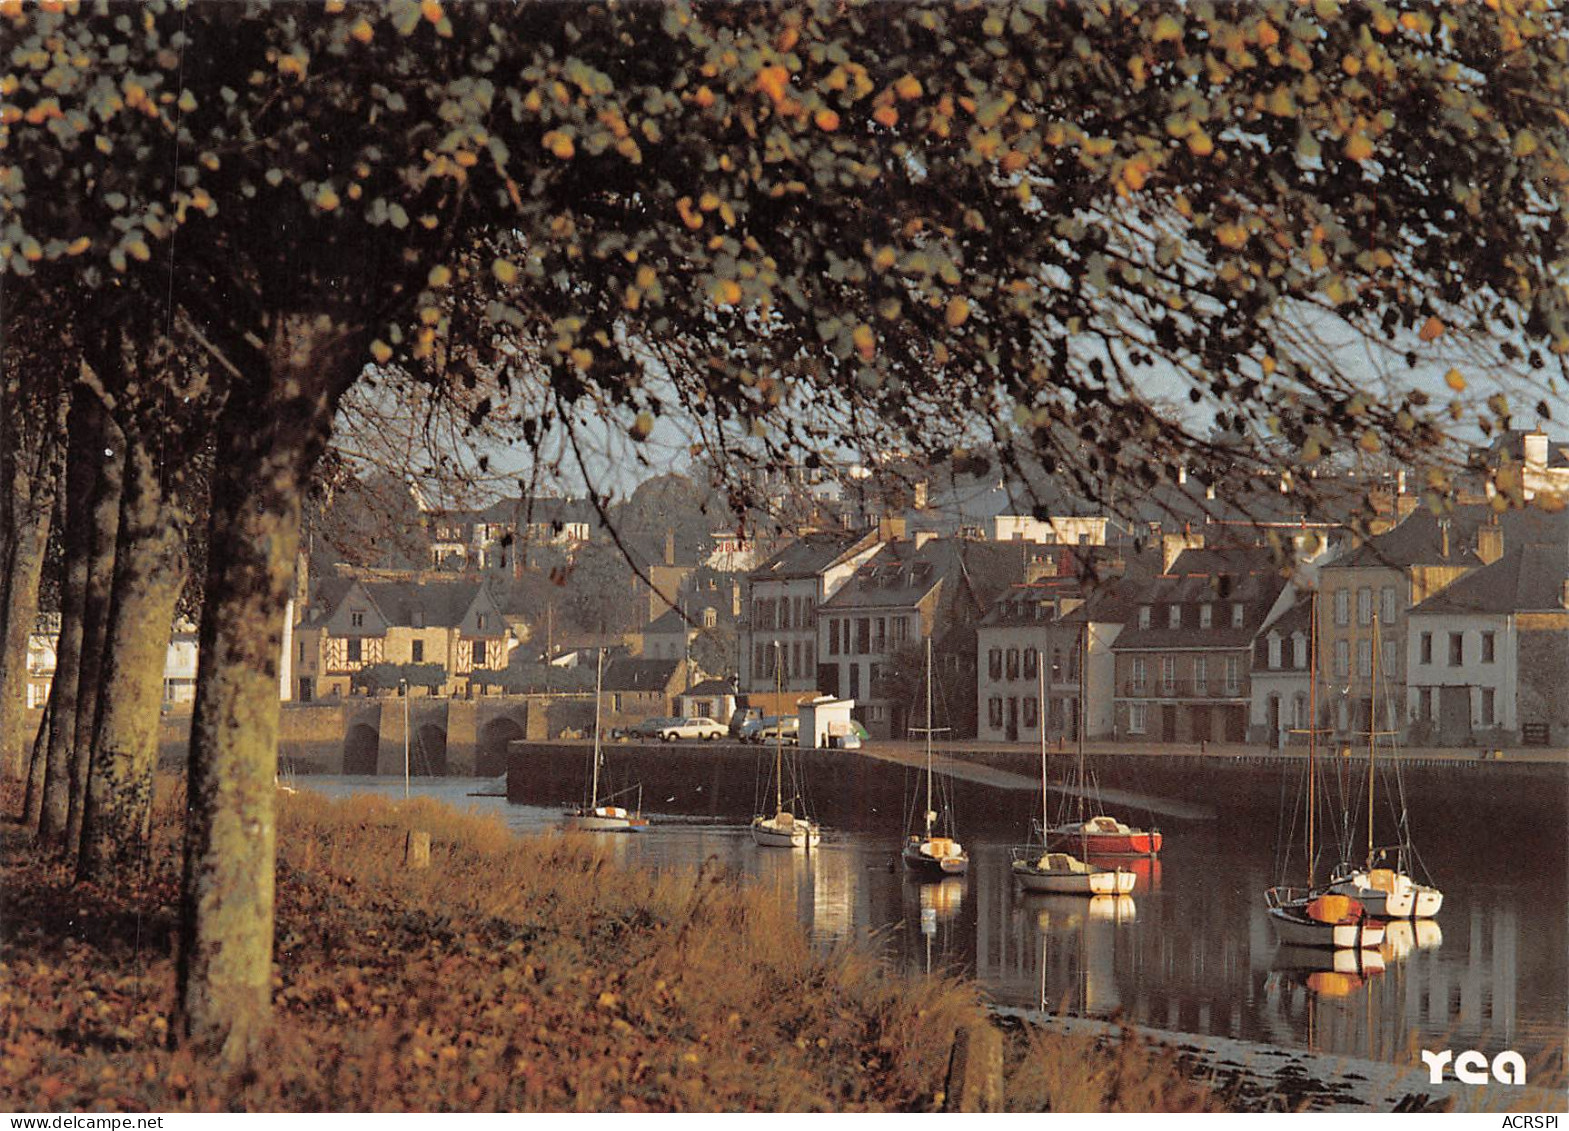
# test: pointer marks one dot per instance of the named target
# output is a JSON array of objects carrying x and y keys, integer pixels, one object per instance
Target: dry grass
[
  {"x": 516, "y": 973},
  {"x": 1056, "y": 1072}
]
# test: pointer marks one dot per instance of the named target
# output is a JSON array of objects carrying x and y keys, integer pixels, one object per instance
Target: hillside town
[{"x": 1188, "y": 625}]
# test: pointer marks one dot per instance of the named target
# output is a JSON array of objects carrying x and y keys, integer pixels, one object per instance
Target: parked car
[
  {"x": 740, "y": 719},
  {"x": 652, "y": 727},
  {"x": 787, "y": 729},
  {"x": 749, "y": 728},
  {"x": 694, "y": 727}
]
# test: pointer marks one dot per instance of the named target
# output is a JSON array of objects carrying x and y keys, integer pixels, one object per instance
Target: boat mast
[
  {"x": 1372, "y": 740},
  {"x": 778, "y": 729},
  {"x": 1040, "y": 720},
  {"x": 1312, "y": 724},
  {"x": 599, "y": 679},
  {"x": 1084, "y": 845},
  {"x": 929, "y": 812}
]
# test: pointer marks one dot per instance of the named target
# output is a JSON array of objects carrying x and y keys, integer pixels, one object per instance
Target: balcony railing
[{"x": 1182, "y": 689}]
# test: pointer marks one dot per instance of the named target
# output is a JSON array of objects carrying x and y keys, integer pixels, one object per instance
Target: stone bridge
[{"x": 461, "y": 737}]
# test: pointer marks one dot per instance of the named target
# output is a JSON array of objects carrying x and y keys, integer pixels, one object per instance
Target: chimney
[
  {"x": 1533, "y": 450},
  {"x": 1182, "y": 475},
  {"x": 670, "y": 547},
  {"x": 890, "y": 529},
  {"x": 1563, "y": 598},
  {"x": 1490, "y": 542},
  {"x": 1443, "y": 537},
  {"x": 922, "y": 495}
]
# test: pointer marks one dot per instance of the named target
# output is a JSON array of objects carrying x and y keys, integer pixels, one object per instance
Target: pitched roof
[
  {"x": 1419, "y": 541},
  {"x": 630, "y": 674},
  {"x": 1248, "y": 576},
  {"x": 438, "y": 604},
  {"x": 1528, "y": 579},
  {"x": 808, "y": 555},
  {"x": 901, "y": 574},
  {"x": 711, "y": 687}
]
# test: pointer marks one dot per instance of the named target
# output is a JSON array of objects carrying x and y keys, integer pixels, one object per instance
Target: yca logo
[{"x": 1471, "y": 1067}]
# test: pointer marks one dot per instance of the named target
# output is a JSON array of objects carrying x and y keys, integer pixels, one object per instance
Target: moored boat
[
  {"x": 784, "y": 828},
  {"x": 929, "y": 854},
  {"x": 1322, "y": 920},
  {"x": 1059, "y": 873},
  {"x": 1107, "y": 836},
  {"x": 597, "y": 815}
]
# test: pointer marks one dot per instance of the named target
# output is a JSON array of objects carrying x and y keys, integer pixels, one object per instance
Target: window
[
  {"x": 863, "y": 635},
  {"x": 994, "y": 663},
  {"x": 1342, "y": 657},
  {"x": 418, "y": 652},
  {"x": 356, "y": 618},
  {"x": 1387, "y": 613},
  {"x": 1032, "y": 663},
  {"x": 1274, "y": 650},
  {"x": 479, "y": 621},
  {"x": 1364, "y": 658},
  {"x": 1488, "y": 644},
  {"x": 757, "y": 613},
  {"x": 1174, "y": 616},
  {"x": 302, "y": 651},
  {"x": 1144, "y": 616},
  {"x": 1427, "y": 649},
  {"x": 354, "y": 650},
  {"x": 1135, "y": 718},
  {"x": 1032, "y": 711},
  {"x": 994, "y": 711},
  {"x": 880, "y": 636},
  {"x": 1201, "y": 674},
  {"x": 1238, "y": 615},
  {"x": 784, "y": 612},
  {"x": 1389, "y": 656},
  {"x": 874, "y": 679},
  {"x": 1013, "y": 663},
  {"x": 899, "y": 630},
  {"x": 1424, "y": 703},
  {"x": 759, "y": 665},
  {"x": 1168, "y": 674},
  {"x": 1299, "y": 651},
  {"x": 1206, "y": 616},
  {"x": 1342, "y": 606},
  {"x": 855, "y": 681},
  {"x": 1056, "y": 663},
  {"x": 710, "y": 618},
  {"x": 1138, "y": 675},
  {"x": 1456, "y": 649},
  {"x": 1488, "y": 717},
  {"x": 1233, "y": 675},
  {"x": 795, "y": 660},
  {"x": 1364, "y": 605}
]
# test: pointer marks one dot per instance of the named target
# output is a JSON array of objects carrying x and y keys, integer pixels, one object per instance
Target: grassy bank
[{"x": 514, "y": 973}]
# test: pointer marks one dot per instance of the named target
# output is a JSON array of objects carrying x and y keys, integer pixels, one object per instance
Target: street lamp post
[{"x": 405, "y": 685}]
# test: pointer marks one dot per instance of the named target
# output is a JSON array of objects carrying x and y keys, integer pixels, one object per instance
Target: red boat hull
[{"x": 1135, "y": 843}]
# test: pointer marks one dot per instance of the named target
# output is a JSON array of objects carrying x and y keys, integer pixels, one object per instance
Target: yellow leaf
[
  {"x": 1369, "y": 442},
  {"x": 326, "y": 199},
  {"x": 865, "y": 341},
  {"x": 1455, "y": 380},
  {"x": 826, "y": 120},
  {"x": 1231, "y": 235},
  {"x": 646, "y": 277},
  {"x": 440, "y": 275},
  {"x": 958, "y": 311},
  {"x": 559, "y": 144},
  {"x": 362, "y": 30},
  {"x": 381, "y": 351},
  {"x": 886, "y": 116},
  {"x": 1167, "y": 29},
  {"x": 78, "y": 245},
  {"x": 1359, "y": 147},
  {"x": 504, "y": 270},
  {"x": 908, "y": 87},
  {"x": 1200, "y": 143},
  {"x": 1431, "y": 329},
  {"x": 138, "y": 249},
  {"x": 431, "y": 10},
  {"x": 642, "y": 426}
]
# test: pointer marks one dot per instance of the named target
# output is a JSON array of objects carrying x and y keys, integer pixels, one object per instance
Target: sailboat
[
  {"x": 929, "y": 854},
  {"x": 1038, "y": 870},
  {"x": 783, "y": 829},
  {"x": 598, "y": 815},
  {"x": 1099, "y": 834},
  {"x": 1387, "y": 893},
  {"x": 1310, "y": 916}
]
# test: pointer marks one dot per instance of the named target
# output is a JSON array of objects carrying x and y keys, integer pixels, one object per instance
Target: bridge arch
[
  {"x": 428, "y": 753},
  {"x": 360, "y": 746},
  {"x": 491, "y": 757}
]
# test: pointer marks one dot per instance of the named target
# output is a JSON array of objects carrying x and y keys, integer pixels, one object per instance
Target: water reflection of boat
[
  {"x": 1145, "y": 869},
  {"x": 1326, "y": 973},
  {"x": 1402, "y": 936},
  {"x": 1063, "y": 913},
  {"x": 939, "y": 903}
]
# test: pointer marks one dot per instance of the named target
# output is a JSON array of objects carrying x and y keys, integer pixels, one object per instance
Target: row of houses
[{"x": 1451, "y": 630}]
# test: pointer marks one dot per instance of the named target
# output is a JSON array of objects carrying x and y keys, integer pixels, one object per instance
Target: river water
[{"x": 1190, "y": 950}]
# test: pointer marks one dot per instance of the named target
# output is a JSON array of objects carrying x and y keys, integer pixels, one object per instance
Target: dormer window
[
  {"x": 1174, "y": 616},
  {"x": 1274, "y": 650},
  {"x": 1299, "y": 651},
  {"x": 357, "y": 618},
  {"x": 1145, "y": 615},
  {"x": 1206, "y": 615},
  {"x": 479, "y": 621},
  {"x": 1237, "y": 614}
]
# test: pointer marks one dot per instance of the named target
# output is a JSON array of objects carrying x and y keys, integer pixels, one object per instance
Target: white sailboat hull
[
  {"x": 1073, "y": 883},
  {"x": 602, "y": 821},
  {"x": 769, "y": 832},
  {"x": 1396, "y": 897}
]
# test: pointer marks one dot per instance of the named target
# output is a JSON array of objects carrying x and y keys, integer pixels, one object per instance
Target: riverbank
[{"x": 512, "y": 974}]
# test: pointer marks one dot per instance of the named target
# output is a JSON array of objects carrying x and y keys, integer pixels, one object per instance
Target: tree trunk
[
  {"x": 24, "y": 565},
  {"x": 149, "y": 570},
  {"x": 84, "y": 449},
  {"x": 38, "y": 760},
  {"x": 271, "y": 434},
  {"x": 95, "y": 624}
]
